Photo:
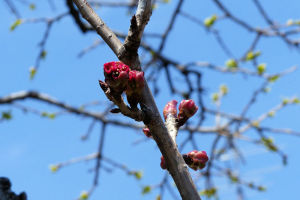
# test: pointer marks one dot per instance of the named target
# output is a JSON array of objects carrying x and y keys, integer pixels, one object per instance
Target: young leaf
[
  {"x": 261, "y": 68},
  {"x": 15, "y": 24},
  {"x": 274, "y": 78},
  {"x": 6, "y": 115},
  {"x": 231, "y": 64},
  {"x": 32, "y": 72},
  {"x": 146, "y": 189},
  {"x": 208, "y": 22}
]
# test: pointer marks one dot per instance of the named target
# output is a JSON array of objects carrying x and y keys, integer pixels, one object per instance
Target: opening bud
[
  {"x": 170, "y": 108},
  {"x": 116, "y": 76},
  {"x": 196, "y": 159}
]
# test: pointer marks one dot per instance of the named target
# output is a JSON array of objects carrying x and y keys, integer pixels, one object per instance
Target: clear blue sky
[{"x": 30, "y": 143}]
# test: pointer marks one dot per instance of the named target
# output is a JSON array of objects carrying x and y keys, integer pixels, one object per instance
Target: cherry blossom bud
[
  {"x": 187, "y": 109},
  {"x": 162, "y": 163},
  {"x": 147, "y": 132},
  {"x": 170, "y": 108},
  {"x": 116, "y": 76},
  {"x": 196, "y": 159},
  {"x": 135, "y": 87}
]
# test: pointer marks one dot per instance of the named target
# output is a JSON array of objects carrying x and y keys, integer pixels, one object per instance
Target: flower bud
[
  {"x": 135, "y": 87},
  {"x": 170, "y": 108},
  {"x": 147, "y": 132},
  {"x": 116, "y": 76},
  {"x": 162, "y": 163},
  {"x": 196, "y": 159},
  {"x": 187, "y": 109}
]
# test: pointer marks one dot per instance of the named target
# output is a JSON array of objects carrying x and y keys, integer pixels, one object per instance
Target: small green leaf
[
  {"x": 271, "y": 114},
  {"x": 84, "y": 195},
  {"x": 261, "y": 68},
  {"x": 215, "y": 97},
  {"x": 32, "y": 72},
  {"x": 138, "y": 175},
  {"x": 53, "y": 168},
  {"x": 297, "y": 22},
  {"x": 296, "y": 100},
  {"x": 32, "y": 6},
  {"x": 44, "y": 114},
  {"x": 268, "y": 143},
  {"x": 261, "y": 188},
  {"x": 224, "y": 89},
  {"x": 166, "y": 1},
  {"x": 43, "y": 54},
  {"x": 15, "y": 24},
  {"x": 285, "y": 101},
  {"x": 208, "y": 22},
  {"x": 52, "y": 115},
  {"x": 231, "y": 64},
  {"x": 255, "y": 124},
  {"x": 49, "y": 115},
  {"x": 6, "y": 115},
  {"x": 234, "y": 179},
  {"x": 209, "y": 192},
  {"x": 252, "y": 55},
  {"x": 273, "y": 78},
  {"x": 146, "y": 189},
  {"x": 267, "y": 89},
  {"x": 154, "y": 6}
]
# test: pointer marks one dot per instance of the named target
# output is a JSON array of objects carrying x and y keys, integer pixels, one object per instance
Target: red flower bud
[
  {"x": 170, "y": 108},
  {"x": 116, "y": 76},
  {"x": 162, "y": 163},
  {"x": 147, "y": 132},
  {"x": 135, "y": 87},
  {"x": 187, "y": 109},
  {"x": 201, "y": 156},
  {"x": 196, "y": 159},
  {"x": 136, "y": 81}
]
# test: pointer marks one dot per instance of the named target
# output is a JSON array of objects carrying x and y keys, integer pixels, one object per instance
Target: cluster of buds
[
  {"x": 194, "y": 159},
  {"x": 187, "y": 109},
  {"x": 120, "y": 78},
  {"x": 116, "y": 76}
]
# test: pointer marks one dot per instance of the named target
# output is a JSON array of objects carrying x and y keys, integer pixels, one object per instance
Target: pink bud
[
  {"x": 147, "y": 132},
  {"x": 197, "y": 159},
  {"x": 201, "y": 156},
  {"x": 170, "y": 108},
  {"x": 116, "y": 76},
  {"x": 136, "y": 80},
  {"x": 163, "y": 163},
  {"x": 135, "y": 87},
  {"x": 187, "y": 108}
]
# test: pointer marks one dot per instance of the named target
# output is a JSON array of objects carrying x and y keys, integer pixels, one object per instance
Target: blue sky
[{"x": 30, "y": 143}]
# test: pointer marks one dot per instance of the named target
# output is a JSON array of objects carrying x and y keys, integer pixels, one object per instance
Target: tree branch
[{"x": 176, "y": 165}]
